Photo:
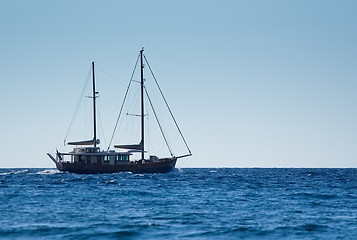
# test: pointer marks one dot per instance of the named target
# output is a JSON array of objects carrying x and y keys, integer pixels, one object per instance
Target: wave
[
  {"x": 324, "y": 196},
  {"x": 47, "y": 172},
  {"x": 14, "y": 172}
]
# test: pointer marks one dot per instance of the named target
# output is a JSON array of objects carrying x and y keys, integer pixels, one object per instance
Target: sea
[{"x": 187, "y": 203}]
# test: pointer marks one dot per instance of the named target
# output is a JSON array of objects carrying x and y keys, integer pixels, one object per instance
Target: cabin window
[
  {"x": 122, "y": 158},
  {"x": 106, "y": 158}
]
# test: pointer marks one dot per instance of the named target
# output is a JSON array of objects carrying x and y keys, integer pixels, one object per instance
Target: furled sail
[
  {"x": 87, "y": 142},
  {"x": 131, "y": 146}
]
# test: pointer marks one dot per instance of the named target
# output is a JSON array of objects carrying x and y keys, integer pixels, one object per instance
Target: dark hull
[{"x": 163, "y": 166}]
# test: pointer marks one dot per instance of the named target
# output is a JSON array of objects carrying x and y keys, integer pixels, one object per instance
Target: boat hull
[{"x": 162, "y": 166}]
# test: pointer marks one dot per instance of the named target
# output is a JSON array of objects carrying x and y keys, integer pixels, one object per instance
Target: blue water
[{"x": 186, "y": 203}]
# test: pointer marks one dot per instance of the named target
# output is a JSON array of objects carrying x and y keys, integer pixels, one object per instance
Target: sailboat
[{"x": 87, "y": 158}]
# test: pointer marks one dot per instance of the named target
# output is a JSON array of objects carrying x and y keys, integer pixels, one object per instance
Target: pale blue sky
[{"x": 252, "y": 83}]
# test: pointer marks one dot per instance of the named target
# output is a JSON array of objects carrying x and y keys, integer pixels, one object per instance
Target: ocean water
[{"x": 183, "y": 204}]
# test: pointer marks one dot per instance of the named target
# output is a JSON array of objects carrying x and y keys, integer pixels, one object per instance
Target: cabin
[{"x": 93, "y": 156}]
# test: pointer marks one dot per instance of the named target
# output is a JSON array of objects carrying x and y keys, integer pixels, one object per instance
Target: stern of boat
[{"x": 56, "y": 161}]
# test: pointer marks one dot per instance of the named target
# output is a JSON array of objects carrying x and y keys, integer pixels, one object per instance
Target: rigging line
[
  {"x": 78, "y": 104},
  {"x": 158, "y": 122},
  {"x": 134, "y": 98},
  {"x": 121, "y": 108},
  {"x": 101, "y": 122},
  {"x": 110, "y": 75},
  {"x": 167, "y": 105}
]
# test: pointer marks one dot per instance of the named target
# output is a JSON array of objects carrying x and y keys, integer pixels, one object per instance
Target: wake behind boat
[{"x": 87, "y": 157}]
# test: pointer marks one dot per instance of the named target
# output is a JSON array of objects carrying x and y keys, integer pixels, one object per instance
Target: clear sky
[{"x": 252, "y": 83}]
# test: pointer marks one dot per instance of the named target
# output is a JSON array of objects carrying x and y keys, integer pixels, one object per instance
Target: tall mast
[
  {"x": 94, "y": 110},
  {"x": 142, "y": 103}
]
